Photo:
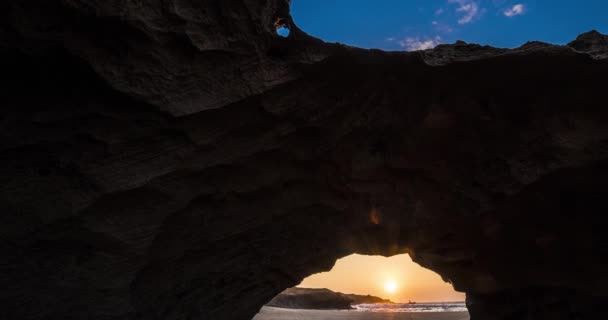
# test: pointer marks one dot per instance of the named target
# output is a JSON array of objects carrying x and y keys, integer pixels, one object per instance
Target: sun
[{"x": 390, "y": 286}]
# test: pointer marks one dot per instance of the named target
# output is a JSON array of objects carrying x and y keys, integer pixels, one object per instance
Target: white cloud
[
  {"x": 415, "y": 44},
  {"x": 390, "y": 39},
  {"x": 516, "y": 10},
  {"x": 468, "y": 8},
  {"x": 438, "y": 11}
]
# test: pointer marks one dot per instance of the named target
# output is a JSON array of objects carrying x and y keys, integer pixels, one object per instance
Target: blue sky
[{"x": 422, "y": 24}]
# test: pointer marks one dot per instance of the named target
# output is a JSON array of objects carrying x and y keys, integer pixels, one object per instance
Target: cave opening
[
  {"x": 283, "y": 31},
  {"x": 282, "y": 27},
  {"x": 370, "y": 287}
]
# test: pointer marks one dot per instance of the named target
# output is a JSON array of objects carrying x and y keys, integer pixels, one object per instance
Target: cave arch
[
  {"x": 159, "y": 163},
  {"x": 369, "y": 283}
]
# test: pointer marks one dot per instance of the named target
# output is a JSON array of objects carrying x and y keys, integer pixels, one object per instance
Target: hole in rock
[
  {"x": 283, "y": 31},
  {"x": 363, "y": 287},
  {"x": 282, "y": 28}
]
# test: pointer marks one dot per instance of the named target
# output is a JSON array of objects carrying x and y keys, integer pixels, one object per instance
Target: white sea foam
[{"x": 417, "y": 307}]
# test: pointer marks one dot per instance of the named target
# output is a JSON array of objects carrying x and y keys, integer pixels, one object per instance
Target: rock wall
[{"x": 177, "y": 160}]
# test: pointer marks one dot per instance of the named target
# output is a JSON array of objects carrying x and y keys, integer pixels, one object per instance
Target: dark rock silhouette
[
  {"x": 320, "y": 299},
  {"x": 593, "y": 43},
  {"x": 179, "y": 160},
  {"x": 363, "y": 299}
]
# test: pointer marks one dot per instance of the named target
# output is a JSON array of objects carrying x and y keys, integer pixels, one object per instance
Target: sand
[{"x": 269, "y": 313}]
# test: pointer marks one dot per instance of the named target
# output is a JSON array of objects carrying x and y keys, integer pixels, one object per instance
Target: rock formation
[
  {"x": 366, "y": 299},
  {"x": 177, "y": 159},
  {"x": 320, "y": 299}
]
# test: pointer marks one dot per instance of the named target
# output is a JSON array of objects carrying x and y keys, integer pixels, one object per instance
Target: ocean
[
  {"x": 417, "y": 307},
  {"x": 420, "y": 311}
]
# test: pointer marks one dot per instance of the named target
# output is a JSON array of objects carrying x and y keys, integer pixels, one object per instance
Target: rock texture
[
  {"x": 177, "y": 159},
  {"x": 366, "y": 299},
  {"x": 320, "y": 299}
]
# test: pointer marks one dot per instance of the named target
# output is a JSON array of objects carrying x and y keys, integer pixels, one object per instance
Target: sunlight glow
[
  {"x": 390, "y": 286},
  {"x": 397, "y": 278}
]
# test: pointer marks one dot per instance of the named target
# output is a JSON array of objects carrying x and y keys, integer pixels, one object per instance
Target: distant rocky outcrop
[
  {"x": 360, "y": 299},
  {"x": 593, "y": 43},
  {"x": 320, "y": 299}
]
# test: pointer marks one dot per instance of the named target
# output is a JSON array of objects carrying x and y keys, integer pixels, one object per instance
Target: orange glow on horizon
[{"x": 397, "y": 278}]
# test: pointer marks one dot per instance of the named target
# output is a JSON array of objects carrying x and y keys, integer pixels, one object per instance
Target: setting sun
[
  {"x": 390, "y": 286},
  {"x": 397, "y": 278}
]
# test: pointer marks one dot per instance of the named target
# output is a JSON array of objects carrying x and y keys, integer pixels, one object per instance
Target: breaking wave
[{"x": 417, "y": 307}]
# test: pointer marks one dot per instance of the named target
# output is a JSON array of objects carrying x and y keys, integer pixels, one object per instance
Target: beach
[{"x": 270, "y": 313}]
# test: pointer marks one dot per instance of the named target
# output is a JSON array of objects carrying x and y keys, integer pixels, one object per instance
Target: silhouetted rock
[
  {"x": 179, "y": 160},
  {"x": 363, "y": 299},
  {"x": 593, "y": 43},
  {"x": 320, "y": 299}
]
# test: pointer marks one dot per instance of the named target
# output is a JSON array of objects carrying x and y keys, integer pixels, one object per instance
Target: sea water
[
  {"x": 419, "y": 311},
  {"x": 412, "y": 307}
]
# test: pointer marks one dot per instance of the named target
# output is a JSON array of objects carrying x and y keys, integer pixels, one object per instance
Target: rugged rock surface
[
  {"x": 320, "y": 299},
  {"x": 593, "y": 43},
  {"x": 363, "y": 299},
  {"x": 176, "y": 159}
]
